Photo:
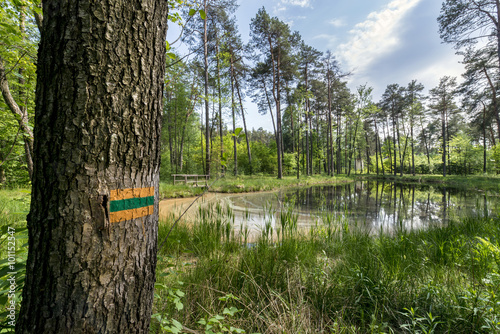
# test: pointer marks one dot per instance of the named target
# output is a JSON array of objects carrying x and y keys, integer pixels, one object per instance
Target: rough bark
[{"x": 98, "y": 124}]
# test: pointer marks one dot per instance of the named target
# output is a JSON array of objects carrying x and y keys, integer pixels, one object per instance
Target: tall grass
[
  {"x": 335, "y": 278},
  {"x": 14, "y": 206}
]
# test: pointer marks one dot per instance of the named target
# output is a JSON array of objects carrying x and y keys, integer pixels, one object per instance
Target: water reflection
[{"x": 373, "y": 205}]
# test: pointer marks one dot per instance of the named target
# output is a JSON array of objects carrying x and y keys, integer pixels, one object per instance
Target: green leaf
[
  {"x": 192, "y": 11},
  {"x": 178, "y": 305},
  {"x": 230, "y": 311},
  {"x": 237, "y": 133},
  {"x": 203, "y": 15}
]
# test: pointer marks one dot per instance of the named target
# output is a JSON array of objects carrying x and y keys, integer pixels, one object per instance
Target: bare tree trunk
[
  {"x": 220, "y": 109},
  {"x": 443, "y": 131},
  {"x": 93, "y": 221},
  {"x": 249, "y": 152},
  {"x": 207, "y": 111},
  {"x": 412, "y": 147},
  {"x": 233, "y": 107},
  {"x": 339, "y": 119},
  {"x": 484, "y": 138},
  {"x": 278, "y": 121}
]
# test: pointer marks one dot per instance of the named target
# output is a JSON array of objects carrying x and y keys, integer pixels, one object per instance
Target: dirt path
[{"x": 176, "y": 206}]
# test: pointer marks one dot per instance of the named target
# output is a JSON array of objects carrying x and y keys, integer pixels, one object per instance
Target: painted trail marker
[{"x": 127, "y": 204}]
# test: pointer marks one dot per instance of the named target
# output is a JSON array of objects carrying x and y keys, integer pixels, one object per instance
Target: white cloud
[
  {"x": 376, "y": 36},
  {"x": 300, "y": 3},
  {"x": 431, "y": 74},
  {"x": 282, "y": 5},
  {"x": 337, "y": 22}
]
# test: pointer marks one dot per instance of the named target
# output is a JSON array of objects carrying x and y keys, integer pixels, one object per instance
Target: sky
[{"x": 380, "y": 42}]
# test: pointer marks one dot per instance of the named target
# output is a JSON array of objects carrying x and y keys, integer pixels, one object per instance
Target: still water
[{"x": 370, "y": 205}]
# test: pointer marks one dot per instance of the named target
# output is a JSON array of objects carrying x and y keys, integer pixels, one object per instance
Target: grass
[
  {"x": 332, "y": 279},
  {"x": 14, "y": 206},
  {"x": 247, "y": 183}
]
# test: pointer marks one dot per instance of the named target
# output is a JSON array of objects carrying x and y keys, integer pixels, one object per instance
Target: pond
[{"x": 371, "y": 205}]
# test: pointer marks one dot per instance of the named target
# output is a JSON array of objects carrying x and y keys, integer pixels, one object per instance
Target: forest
[{"x": 320, "y": 126}]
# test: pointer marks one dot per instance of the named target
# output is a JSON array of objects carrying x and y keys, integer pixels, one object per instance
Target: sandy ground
[
  {"x": 176, "y": 206},
  {"x": 248, "y": 213}
]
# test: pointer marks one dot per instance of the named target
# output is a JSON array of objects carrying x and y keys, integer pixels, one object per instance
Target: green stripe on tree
[{"x": 131, "y": 203}]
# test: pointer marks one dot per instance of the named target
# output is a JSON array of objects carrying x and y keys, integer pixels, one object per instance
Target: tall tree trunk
[
  {"x": 292, "y": 123},
  {"x": 317, "y": 142},
  {"x": 367, "y": 153},
  {"x": 425, "y": 144},
  {"x": 207, "y": 111},
  {"x": 298, "y": 144},
  {"x": 308, "y": 130},
  {"x": 443, "y": 131},
  {"x": 412, "y": 150},
  {"x": 377, "y": 144},
  {"x": 249, "y": 152},
  {"x": 329, "y": 132},
  {"x": 394, "y": 170},
  {"x": 93, "y": 221},
  {"x": 276, "y": 95},
  {"x": 484, "y": 138},
  {"x": 278, "y": 120},
  {"x": 233, "y": 107},
  {"x": 389, "y": 144},
  {"x": 220, "y": 108},
  {"x": 339, "y": 119},
  {"x": 270, "y": 107}
]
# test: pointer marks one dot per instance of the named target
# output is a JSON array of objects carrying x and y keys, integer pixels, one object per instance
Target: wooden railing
[{"x": 193, "y": 179}]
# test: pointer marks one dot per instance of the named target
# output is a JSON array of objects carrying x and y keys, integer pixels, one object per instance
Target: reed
[{"x": 337, "y": 278}]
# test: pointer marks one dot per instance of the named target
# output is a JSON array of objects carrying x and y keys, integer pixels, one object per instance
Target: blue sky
[{"x": 380, "y": 41}]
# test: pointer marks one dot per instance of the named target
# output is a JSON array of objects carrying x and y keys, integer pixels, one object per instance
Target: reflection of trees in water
[{"x": 388, "y": 203}]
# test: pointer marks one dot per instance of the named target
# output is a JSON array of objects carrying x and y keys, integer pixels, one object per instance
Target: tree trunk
[
  {"x": 235, "y": 152},
  {"x": 425, "y": 144},
  {"x": 394, "y": 143},
  {"x": 278, "y": 120},
  {"x": 412, "y": 147},
  {"x": 249, "y": 152},
  {"x": 269, "y": 105},
  {"x": 443, "y": 131},
  {"x": 339, "y": 119},
  {"x": 207, "y": 111},
  {"x": 93, "y": 221},
  {"x": 377, "y": 145},
  {"x": 484, "y": 138},
  {"x": 330, "y": 132},
  {"x": 221, "y": 136},
  {"x": 367, "y": 153}
]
